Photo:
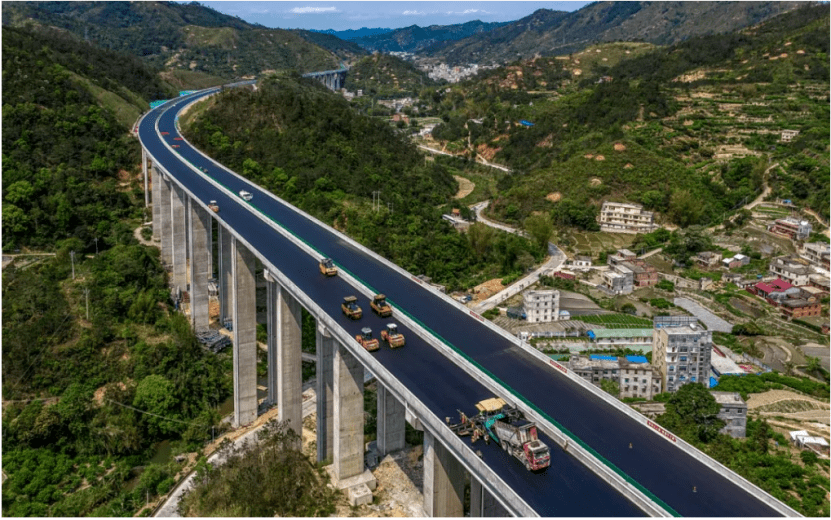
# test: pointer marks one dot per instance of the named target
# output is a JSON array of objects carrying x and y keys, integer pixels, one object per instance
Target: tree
[
  {"x": 155, "y": 394},
  {"x": 610, "y": 387},
  {"x": 692, "y": 411},
  {"x": 684, "y": 208},
  {"x": 481, "y": 238},
  {"x": 808, "y": 457},
  {"x": 540, "y": 229},
  {"x": 813, "y": 364}
]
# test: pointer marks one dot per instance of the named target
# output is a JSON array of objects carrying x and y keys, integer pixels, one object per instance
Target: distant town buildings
[
  {"x": 708, "y": 259},
  {"x": 619, "y": 217},
  {"x": 628, "y": 272},
  {"x": 733, "y": 412},
  {"x": 735, "y": 261},
  {"x": 581, "y": 262},
  {"x": 635, "y": 376},
  {"x": 792, "y": 228},
  {"x": 682, "y": 355},
  {"x": 542, "y": 306},
  {"x": 805, "y": 441}
]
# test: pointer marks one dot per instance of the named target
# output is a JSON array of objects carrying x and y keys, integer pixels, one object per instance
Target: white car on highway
[{"x": 245, "y": 195}]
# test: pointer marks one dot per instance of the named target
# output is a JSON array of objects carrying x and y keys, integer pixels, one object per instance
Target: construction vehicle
[
  {"x": 327, "y": 267},
  {"x": 380, "y": 306},
  {"x": 213, "y": 206},
  {"x": 350, "y": 308},
  {"x": 391, "y": 335},
  {"x": 366, "y": 340},
  {"x": 505, "y": 425}
]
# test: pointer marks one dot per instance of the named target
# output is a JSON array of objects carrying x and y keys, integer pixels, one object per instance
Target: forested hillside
[
  {"x": 384, "y": 75},
  {"x": 549, "y": 33},
  {"x": 693, "y": 117},
  {"x": 63, "y": 140},
  {"x": 181, "y": 36},
  {"x": 90, "y": 349},
  {"x": 309, "y": 147}
]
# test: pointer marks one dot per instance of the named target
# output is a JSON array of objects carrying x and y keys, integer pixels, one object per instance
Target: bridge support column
[
  {"x": 199, "y": 253},
  {"x": 284, "y": 349},
  {"x": 391, "y": 422},
  {"x": 166, "y": 223},
  {"x": 157, "y": 182},
  {"x": 444, "y": 480},
  {"x": 483, "y": 503},
  {"x": 225, "y": 278},
  {"x": 243, "y": 288},
  {"x": 348, "y": 421},
  {"x": 179, "y": 220},
  {"x": 325, "y": 348},
  {"x": 144, "y": 171}
]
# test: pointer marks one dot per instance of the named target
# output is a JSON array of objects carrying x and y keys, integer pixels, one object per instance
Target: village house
[
  {"x": 817, "y": 254},
  {"x": 792, "y": 228},
  {"x": 793, "y": 269},
  {"x": 708, "y": 259},
  {"x": 619, "y": 217}
]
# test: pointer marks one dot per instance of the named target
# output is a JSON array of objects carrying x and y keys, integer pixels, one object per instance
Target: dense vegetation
[
  {"x": 309, "y": 147},
  {"x": 61, "y": 148},
  {"x": 95, "y": 370},
  {"x": 270, "y": 478}
]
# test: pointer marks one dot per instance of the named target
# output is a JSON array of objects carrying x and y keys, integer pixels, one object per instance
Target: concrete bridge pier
[
  {"x": 391, "y": 423},
  {"x": 144, "y": 171},
  {"x": 325, "y": 347},
  {"x": 179, "y": 221},
  {"x": 243, "y": 288},
  {"x": 284, "y": 348},
  {"x": 483, "y": 503},
  {"x": 348, "y": 423},
  {"x": 444, "y": 480},
  {"x": 224, "y": 277},
  {"x": 165, "y": 221},
  {"x": 157, "y": 206},
  {"x": 199, "y": 253}
]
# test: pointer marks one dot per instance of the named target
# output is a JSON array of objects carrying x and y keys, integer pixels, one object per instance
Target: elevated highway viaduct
[{"x": 453, "y": 359}]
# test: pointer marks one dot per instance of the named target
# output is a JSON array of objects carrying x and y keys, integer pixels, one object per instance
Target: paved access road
[{"x": 653, "y": 462}]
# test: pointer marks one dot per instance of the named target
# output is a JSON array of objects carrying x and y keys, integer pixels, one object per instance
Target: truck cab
[
  {"x": 327, "y": 267},
  {"x": 350, "y": 308},
  {"x": 366, "y": 340},
  {"x": 213, "y": 206},
  {"x": 380, "y": 306}
]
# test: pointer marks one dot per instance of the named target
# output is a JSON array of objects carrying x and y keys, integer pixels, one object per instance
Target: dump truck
[
  {"x": 213, "y": 206},
  {"x": 506, "y": 426},
  {"x": 327, "y": 267},
  {"x": 380, "y": 306},
  {"x": 350, "y": 308},
  {"x": 391, "y": 335},
  {"x": 366, "y": 340}
]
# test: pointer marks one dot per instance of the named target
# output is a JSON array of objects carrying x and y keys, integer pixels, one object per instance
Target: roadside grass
[{"x": 616, "y": 321}]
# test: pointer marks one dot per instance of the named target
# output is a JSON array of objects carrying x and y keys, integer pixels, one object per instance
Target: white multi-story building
[
  {"x": 619, "y": 217},
  {"x": 542, "y": 306},
  {"x": 792, "y": 269},
  {"x": 638, "y": 380},
  {"x": 682, "y": 355}
]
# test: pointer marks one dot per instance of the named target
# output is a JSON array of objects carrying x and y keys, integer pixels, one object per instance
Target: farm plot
[
  {"x": 594, "y": 243},
  {"x": 617, "y": 321}
]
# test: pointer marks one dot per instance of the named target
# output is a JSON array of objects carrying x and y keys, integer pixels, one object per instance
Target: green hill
[
  {"x": 693, "y": 121},
  {"x": 384, "y": 75},
  {"x": 181, "y": 36}
]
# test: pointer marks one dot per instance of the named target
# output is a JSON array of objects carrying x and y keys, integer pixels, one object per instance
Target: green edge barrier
[{"x": 470, "y": 360}]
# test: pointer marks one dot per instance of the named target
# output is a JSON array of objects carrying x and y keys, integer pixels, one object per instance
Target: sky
[{"x": 340, "y": 16}]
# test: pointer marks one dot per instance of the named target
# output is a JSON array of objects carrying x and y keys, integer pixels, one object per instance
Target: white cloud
[
  {"x": 413, "y": 13},
  {"x": 468, "y": 11},
  {"x": 313, "y": 10}
]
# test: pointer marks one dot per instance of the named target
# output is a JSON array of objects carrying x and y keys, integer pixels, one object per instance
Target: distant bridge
[{"x": 333, "y": 79}]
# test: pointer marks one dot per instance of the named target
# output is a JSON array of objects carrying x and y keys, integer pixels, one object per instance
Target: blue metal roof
[
  {"x": 596, "y": 357},
  {"x": 713, "y": 382},
  {"x": 637, "y": 359}
]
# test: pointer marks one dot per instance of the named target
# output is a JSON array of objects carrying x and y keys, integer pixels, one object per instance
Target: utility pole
[
  {"x": 86, "y": 292},
  {"x": 96, "y": 246},
  {"x": 376, "y": 200},
  {"x": 72, "y": 256}
]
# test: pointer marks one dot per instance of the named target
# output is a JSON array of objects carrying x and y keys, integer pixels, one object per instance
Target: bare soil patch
[
  {"x": 628, "y": 166},
  {"x": 599, "y": 158},
  {"x": 466, "y": 187},
  {"x": 595, "y": 181},
  {"x": 619, "y": 147},
  {"x": 485, "y": 290},
  {"x": 554, "y": 196}
]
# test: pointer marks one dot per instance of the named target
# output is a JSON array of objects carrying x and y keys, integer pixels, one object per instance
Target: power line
[{"x": 150, "y": 413}]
